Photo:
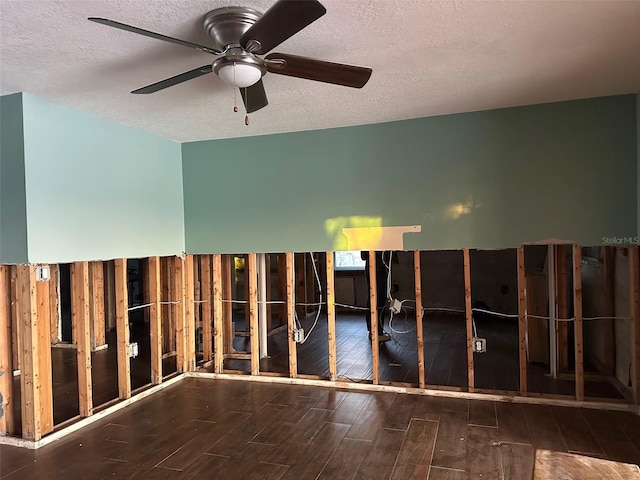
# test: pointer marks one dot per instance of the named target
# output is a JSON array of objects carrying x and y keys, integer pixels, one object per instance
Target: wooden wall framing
[
  {"x": 155, "y": 319},
  {"x": 122, "y": 329},
  {"x": 522, "y": 321},
  {"x": 419, "y": 315},
  {"x": 35, "y": 357},
  {"x": 331, "y": 317},
  {"x": 373, "y": 299},
  {"x": 469, "y": 319},
  {"x": 634, "y": 296},
  {"x": 33, "y": 308},
  {"x": 577, "y": 322},
  {"x": 7, "y": 421},
  {"x": 290, "y": 304},
  {"x": 81, "y": 319}
]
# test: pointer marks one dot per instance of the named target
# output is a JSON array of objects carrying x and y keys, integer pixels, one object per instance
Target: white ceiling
[{"x": 428, "y": 58}]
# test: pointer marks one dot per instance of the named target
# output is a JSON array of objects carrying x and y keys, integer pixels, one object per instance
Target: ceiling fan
[{"x": 240, "y": 35}]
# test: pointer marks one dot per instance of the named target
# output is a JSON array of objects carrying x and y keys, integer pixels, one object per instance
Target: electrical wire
[{"x": 315, "y": 322}]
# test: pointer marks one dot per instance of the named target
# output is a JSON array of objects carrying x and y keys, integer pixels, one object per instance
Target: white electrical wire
[
  {"x": 138, "y": 307},
  {"x": 315, "y": 322},
  {"x": 353, "y": 307}
]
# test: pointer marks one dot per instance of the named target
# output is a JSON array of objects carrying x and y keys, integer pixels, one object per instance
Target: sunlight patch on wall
[
  {"x": 335, "y": 226},
  {"x": 457, "y": 210}
]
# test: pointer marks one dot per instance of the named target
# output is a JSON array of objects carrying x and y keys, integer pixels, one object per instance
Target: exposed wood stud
[
  {"x": 16, "y": 317},
  {"x": 290, "y": 286},
  {"x": 189, "y": 313},
  {"x": 419, "y": 315},
  {"x": 227, "y": 294},
  {"x": 522, "y": 321},
  {"x": 205, "y": 296},
  {"x": 609, "y": 310},
  {"x": 179, "y": 314},
  {"x": 634, "y": 296},
  {"x": 331, "y": 317},
  {"x": 81, "y": 318},
  {"x": 282, "y": 286},
  {"x": 218, "y": 315},
  {"x": 168, "y": 331},
  {"x": 155, "y": 319},
  {"x": 122, "y": 328},
  {"x": 54, "y": 304},
  {"x": 252, "y": 272},
  {"x": 44, "y": 356},
  {"x": 469, "y": 316},
  {"x": 196, "y": 280},
  {"x": 35, "y": 352},
  {"x": 562, "y": 307},
  {"x": 96, "y": 290},
  {"x": 267, "y": 260},
  {"x": 373, "y": 299},
  {"x": 300, "y": 263},
  {"x": 577, "y": 323},
  {"x": 7, "y": 421}
]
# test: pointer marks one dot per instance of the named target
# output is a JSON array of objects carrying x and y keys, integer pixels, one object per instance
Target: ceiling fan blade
[
  {"x": 254, "y": 97},
  {"x": 283, "y": 20},
  {"x": 320, "y": 71},
  {"x": 147, "y": 33},
  {"x": 169, "y": 82}
]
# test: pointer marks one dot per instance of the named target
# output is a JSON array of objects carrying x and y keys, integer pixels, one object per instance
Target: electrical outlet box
[
  {"x": 133, "y": 350},
  {"x": 479, "y": 345},
  {"x": 298, "y": 335},
  {"x": 396, "y": 305},
  {"x": 43, "y": 273}
]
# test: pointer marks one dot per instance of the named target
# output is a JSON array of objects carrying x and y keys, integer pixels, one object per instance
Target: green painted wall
[
  {"x": 96, "y": 189},
  {"x": 13, "y": 215},
  {"x": 491, "y": 179}
]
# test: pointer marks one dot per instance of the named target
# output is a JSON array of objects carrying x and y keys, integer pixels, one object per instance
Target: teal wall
[
  {"x": 96, "y": 189},
  {"x": 492, "y": 179},
  {"x": 13, "y": 214}
]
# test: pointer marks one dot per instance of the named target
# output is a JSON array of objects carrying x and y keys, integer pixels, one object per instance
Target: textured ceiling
[{"x": 428, "y": 58}]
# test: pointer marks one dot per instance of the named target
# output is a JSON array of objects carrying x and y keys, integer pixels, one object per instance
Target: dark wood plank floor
[
  {"x": 445, "y": 353},
  {"x": 205, "y": 428}
]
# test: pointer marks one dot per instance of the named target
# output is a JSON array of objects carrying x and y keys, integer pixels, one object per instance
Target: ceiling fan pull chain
[
  {"x": 246, "y": 96},
  {"x": 235, "y": 102}
]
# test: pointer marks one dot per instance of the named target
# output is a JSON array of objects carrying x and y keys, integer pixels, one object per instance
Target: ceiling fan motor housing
[{"x": 226, "y": 25}]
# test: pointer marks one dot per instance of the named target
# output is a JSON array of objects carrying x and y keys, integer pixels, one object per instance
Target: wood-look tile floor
[{"x": 236, "y": 429}]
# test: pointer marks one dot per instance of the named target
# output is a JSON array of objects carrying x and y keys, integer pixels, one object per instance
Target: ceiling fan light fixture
[{"x": 239, "y": 74}]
